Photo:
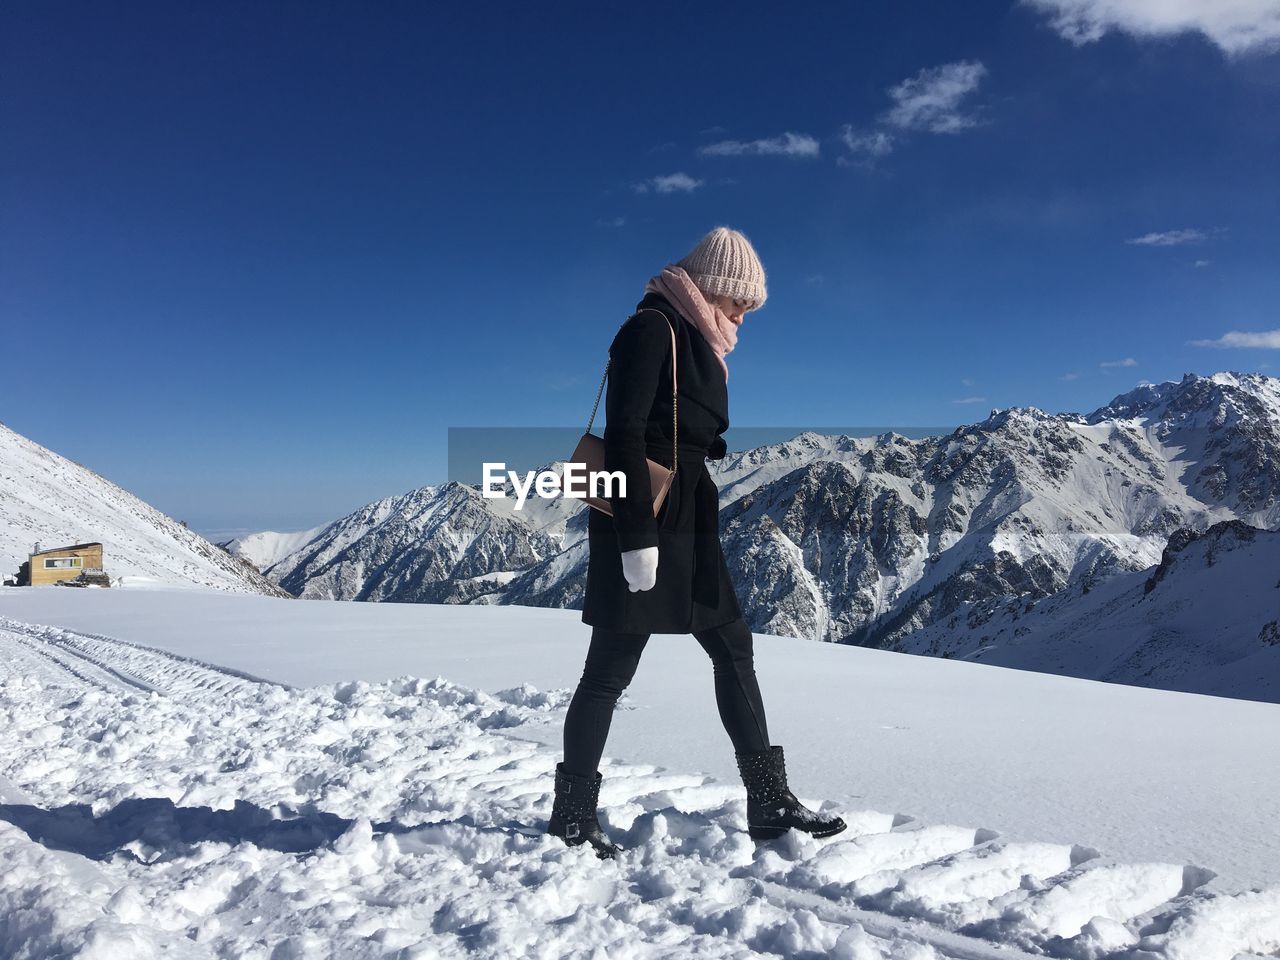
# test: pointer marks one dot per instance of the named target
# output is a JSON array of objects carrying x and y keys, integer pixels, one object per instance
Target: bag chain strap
[{"x": 674, "y": 419}]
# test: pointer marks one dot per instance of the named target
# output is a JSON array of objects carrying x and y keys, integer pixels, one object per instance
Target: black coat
[{"x": 693, "y": 589}]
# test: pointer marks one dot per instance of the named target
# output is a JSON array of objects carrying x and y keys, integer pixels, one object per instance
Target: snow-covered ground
[{"x": 339, "y": 807}]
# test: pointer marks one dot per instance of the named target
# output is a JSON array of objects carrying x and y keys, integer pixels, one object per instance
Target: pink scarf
[{"x": 675, "y": 284}]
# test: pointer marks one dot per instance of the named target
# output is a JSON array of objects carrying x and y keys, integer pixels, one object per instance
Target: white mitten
[{"x": 640, "y": 567}]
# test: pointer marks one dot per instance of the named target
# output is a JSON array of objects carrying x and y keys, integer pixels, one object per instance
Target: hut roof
[{"x": 74, "y": 546}]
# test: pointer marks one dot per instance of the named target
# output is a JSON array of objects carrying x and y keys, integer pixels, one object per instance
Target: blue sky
[{"x": 256, "y": 259}]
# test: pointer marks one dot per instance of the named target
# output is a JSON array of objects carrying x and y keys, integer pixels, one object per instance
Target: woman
[{"x": 667, "y": 574}]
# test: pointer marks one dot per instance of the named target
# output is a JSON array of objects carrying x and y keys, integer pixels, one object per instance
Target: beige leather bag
[{"x": 590, "y": 449}]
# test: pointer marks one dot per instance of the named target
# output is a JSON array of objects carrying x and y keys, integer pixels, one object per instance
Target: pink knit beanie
[{"x": 725, "y": 263}]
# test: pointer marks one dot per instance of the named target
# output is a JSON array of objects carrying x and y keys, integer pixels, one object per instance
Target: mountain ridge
[{"x": 871, "y": 540}]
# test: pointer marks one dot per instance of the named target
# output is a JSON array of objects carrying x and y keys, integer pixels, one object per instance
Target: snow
[{"x": 217, "y": 775}]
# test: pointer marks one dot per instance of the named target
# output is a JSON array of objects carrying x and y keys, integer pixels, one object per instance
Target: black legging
[{"x": 612, "y": 659}]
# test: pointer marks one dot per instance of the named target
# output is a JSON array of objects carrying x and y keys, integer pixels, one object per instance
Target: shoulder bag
[{"x": 590, "y": 449}]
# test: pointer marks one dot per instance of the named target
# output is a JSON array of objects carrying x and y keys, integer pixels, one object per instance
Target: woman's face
[{"x": 735, "y": 310}]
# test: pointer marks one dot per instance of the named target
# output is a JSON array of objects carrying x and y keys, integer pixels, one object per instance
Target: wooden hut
[{"x": 66, "y": 563}]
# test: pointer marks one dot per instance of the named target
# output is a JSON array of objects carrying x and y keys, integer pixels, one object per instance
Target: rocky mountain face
[
  {"x": 442, "y": 544},
  {"x": 1225, "y": 430},
  {"x": 870, "y": 541},
  {"x": 873, "y": 541}
]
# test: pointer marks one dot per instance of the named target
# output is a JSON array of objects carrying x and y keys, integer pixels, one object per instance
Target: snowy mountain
[
  {"x": 874, "y": 545},
  {"x": 442, "y": 544},
  {"x": 268, "y": 547},
  {"x": 873, "y": 540},
  {"x": 49, "y": 499},
  {"x": 1205, "y": 620}
]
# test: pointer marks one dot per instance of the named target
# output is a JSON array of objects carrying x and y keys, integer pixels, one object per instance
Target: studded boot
[
  {"x": 772, "y": 808},
  {"x": 573, "y": 813}
]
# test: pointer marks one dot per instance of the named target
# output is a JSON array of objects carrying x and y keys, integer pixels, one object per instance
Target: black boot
[
  {"x": 772, "y": 808},
  {"x": 573, "y": 814}
]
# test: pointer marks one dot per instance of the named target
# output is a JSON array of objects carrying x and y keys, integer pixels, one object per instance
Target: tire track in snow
[
  {"x": 53, "y": 644},
  {"x": 18, "y": 648},
  {"x": 132, "y": 665}
]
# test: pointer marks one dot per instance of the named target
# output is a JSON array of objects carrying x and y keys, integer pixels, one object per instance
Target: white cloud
[
  {"x": 1236, "y": 26},
  {"x": 671, "y": 183},
  {"x": 871, "y": 144},
  {"x": 1126, "y": 362},
  {"x": 1200, "y": 264},
  {"x": 930, "y": 102},
  {"x": 966, "y": 382},
  {"x": 971, "y": 400},
  {"x": 1262, "y": 340},
  {"x": 1070, "y": 376},
  {"x": 1170, "y": 238},
  {"x": 931, "y": 99},
  {"x": 787, "y": 145},
  {"x": 612, "y": 222}
]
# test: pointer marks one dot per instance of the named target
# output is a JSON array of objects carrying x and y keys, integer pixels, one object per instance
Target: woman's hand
[{"x": 640, "y": 567}]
